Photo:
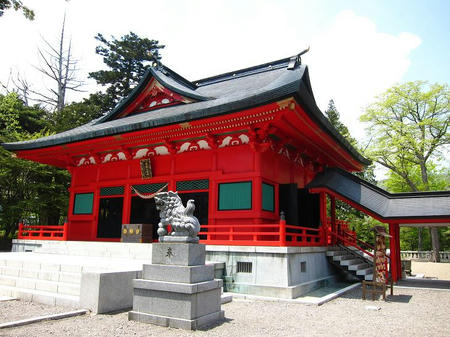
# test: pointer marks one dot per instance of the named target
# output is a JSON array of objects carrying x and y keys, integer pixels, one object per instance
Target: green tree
[
  {"x": 409, "y": 127},
  {"x": 127, "y": 59},
  {"x": 77, "y": 113},
  {"x": 358, "y": 221},
  {"x": 335, "y": 119},
  {"x": 16, "y": 5},
  {"x": 438, "y": 181},
  {"x": 28, "y": 190}
]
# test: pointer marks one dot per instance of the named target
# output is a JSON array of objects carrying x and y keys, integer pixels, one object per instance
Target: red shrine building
[{"x": 246, "y": 146}]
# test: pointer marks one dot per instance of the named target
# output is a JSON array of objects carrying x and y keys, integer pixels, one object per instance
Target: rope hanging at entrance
[{"x": 151, "y": 196}]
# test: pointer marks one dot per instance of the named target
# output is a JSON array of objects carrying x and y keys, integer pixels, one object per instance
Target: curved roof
[
  {"x": 212, "y": 96},
  {"x": 386, "y": 205}
]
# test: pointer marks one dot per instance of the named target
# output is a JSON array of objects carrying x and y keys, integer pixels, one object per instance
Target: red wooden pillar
[
  {"x": 398, "y": 256},
  {"x": 323, "y": 212},
  {"x": 394, "y": 246},
  {"x": 71, "y": 201},
  {"x": 333, "y": 218},
  {"x": 282, "y": 231},
  {"x": 257, "y": 181},
  {"x": 126, "y": 204}
]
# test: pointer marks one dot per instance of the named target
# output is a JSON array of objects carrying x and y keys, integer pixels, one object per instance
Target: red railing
[
  {"x": 37, "y": 232},
  {"x": 277, "y": 234},
  {"x": 353, "y": 241},
  {"x": 344, "y": 227}
]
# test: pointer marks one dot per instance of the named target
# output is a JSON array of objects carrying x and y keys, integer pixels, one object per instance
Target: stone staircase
[
  {"x": 52, "y": 272},
  {"x": 351, "y": 261},
  {"x": 47, "y": 282},
  {"x": 68, "y": 273}
]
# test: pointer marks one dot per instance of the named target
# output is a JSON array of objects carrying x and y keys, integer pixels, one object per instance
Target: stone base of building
[{"x": 282, "y": 272}]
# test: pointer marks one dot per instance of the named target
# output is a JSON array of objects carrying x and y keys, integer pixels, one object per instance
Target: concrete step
[
  {"x": 358, "y": 266},
  {"x": 36, "y": 284},
  {"x": 350, "y": 262},
  {"x": 56, "y": 276},
  {"x": 95, "y": 249},
  {"x": 40, "y": 296},
  {"x": 364, "y": 271},
  {"x": 343, "y": 257},
  {"x": 335, "y": 252}
]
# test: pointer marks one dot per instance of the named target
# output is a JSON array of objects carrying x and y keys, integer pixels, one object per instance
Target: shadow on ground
[
  {"x": 356, "y": 294},
  {"x": 215, "y": 325},
  {"x": 424, "y": 283},
  {"x": 399, "y": 298}
]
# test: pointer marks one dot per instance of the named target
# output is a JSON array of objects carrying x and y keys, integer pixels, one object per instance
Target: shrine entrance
[
  {"x": 201, "y": 204},
  {"x": 143, "y": 211},
  {"x": 110, "y": 218}
]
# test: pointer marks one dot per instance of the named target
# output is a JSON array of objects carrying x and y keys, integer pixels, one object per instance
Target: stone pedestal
[{"x": 177, "y": 289}]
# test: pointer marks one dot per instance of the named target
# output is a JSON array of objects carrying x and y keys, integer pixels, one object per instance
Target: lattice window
[
  {"x": 268, "y": 197},
  {"x": 235, "y": 196},
  {"x": 244, "y": 267},
  {"x": 149, "y": 188},
  {"x": 193, "y": 185},
  {"x": 83, "y": 203},
  {"x": 117, "y": 190}
]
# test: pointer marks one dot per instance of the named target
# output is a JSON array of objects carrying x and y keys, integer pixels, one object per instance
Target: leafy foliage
[
  {"x": 29, "y": 190},
  {"x": 127, "y": 59},
  {"x": 335, "y": 119},
  {"x": 409, "y": 126},
  {"x": 360, "y": 222},
  {"x": 77, "y": 113},
  {"x": 16, "y": 5}
]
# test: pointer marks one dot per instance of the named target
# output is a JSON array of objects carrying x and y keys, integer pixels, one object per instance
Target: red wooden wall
[{"x": 227, "y": 164}]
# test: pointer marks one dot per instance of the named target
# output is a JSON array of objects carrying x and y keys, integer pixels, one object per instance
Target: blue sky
[
  {"x": 427, "y": 19},
  {"x": 358, "y": 48}
]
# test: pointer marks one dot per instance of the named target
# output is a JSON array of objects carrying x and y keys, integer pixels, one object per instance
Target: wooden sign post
[{"x": 380, "y": 275}]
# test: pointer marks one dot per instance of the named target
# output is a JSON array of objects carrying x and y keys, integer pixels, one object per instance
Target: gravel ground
[
  {"x": 16, "y": 310},
  {"x": 439, "y": 270},
  {"x": 410, "y": 312}
]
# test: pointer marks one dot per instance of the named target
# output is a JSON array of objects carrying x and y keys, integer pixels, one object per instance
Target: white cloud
[{"x": 352, "y": 62}]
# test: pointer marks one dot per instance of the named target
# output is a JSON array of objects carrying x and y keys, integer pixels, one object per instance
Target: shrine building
[{"x": 256, "y": 154}]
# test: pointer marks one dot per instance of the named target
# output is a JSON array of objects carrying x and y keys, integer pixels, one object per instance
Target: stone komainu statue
[{"x": 173, "y": 213}]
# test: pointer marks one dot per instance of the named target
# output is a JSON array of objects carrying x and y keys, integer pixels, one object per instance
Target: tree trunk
[
  {"x": 424, "y": 173},
  {"x": 435, "y": 257},
  {"x": 420, "y": 244}
]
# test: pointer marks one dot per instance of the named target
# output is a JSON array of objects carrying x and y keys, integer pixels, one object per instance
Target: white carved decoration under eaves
[
  {"x": 146, "y": 152},
  {"x": 194, "y": 146},
  {"x": 84, "y": 161},
  {"x": 233, "y": 140},
  {"x": 115, "y": 156}
]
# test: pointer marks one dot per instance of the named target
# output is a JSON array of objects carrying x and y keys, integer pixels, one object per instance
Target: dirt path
[{"x": 429, "y": 269}]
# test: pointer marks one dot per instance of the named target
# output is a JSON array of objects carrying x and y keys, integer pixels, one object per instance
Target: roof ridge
[
  {"x": 268, "y": 66},
  {"x": 390, "y": 195}
]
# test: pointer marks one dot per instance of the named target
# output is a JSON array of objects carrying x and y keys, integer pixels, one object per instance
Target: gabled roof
[
  {"x": 208, "y": 97},
  {"x": 386, "y": 205}
]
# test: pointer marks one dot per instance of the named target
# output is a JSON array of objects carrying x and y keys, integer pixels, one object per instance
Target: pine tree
[{"x": 127, "y": 59}]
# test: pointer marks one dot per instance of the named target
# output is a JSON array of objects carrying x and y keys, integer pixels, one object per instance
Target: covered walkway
[{"x": 420, "y": 208}]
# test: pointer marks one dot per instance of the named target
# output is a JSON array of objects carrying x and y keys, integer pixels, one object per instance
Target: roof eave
[{"x": 306, "y": 99}]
